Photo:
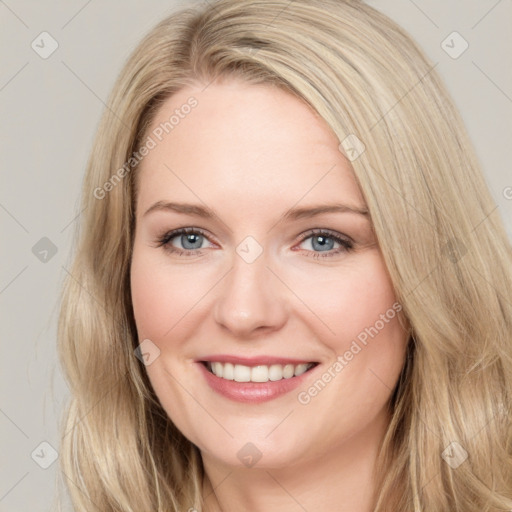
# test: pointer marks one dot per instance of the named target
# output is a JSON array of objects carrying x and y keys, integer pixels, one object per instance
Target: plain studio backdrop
[{"x": 59, "y": 62}]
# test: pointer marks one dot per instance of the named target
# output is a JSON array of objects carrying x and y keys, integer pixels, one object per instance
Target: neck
[{"x": 341, "y": 479}]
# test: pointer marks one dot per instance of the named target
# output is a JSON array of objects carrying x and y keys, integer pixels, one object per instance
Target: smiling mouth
[{"x": 259, "y": 373}]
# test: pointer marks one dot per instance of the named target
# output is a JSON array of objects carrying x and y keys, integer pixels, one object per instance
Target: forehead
[{"x": 256, "y": 143}]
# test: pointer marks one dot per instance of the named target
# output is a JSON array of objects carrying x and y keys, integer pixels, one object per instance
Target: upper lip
[{"x": 253, "y": 361}]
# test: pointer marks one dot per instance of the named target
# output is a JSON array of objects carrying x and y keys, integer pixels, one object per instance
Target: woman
[{"x": 291, "y": 289}]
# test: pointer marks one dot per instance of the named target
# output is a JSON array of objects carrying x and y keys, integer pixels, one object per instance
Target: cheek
[
  {"x": 149, "y": 294},
  {"x": 348, "y": 299},
  {"x": 162, "y": 297},
  {"x": 360, "y": 317},
  {"x": 357, "y": 316}
]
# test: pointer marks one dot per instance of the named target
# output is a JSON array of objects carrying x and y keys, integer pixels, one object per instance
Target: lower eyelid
[
  {"x": 165, "y": 242},
  {"x": 326, "y": 254}
]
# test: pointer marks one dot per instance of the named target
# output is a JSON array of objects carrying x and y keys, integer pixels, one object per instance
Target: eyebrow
[{"x": 292, "y": 214}]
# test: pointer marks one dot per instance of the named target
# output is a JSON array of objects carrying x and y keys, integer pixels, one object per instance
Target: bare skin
[{"x": 251, "y": 154}]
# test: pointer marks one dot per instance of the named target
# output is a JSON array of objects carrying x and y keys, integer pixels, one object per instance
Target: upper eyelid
[
  {"x": 329, "y": 232},
  {"x": 169, "y": 235},
  {"x": 173, "y": 233}
]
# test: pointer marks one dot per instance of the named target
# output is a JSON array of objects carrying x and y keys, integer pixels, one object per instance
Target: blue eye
[
  {"x": 189, "y": 241},
  {"x": 320, "y": 243},
  {"x": 325, "y": 242}
]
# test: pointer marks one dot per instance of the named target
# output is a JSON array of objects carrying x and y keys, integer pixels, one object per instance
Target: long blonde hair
[{"x": 437, "y": 226}]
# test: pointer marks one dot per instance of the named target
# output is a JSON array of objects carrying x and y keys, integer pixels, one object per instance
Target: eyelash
[{"x": 346, "y": 245}]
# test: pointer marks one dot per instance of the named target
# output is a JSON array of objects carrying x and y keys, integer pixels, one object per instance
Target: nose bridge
[{"x": 250, "y": 298}]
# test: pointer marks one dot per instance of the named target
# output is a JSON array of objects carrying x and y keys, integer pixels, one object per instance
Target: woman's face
[{"x": 277, "y": 285}]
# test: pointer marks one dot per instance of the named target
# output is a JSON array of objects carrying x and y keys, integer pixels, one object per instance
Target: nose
[{"x": 251, "y": 301}]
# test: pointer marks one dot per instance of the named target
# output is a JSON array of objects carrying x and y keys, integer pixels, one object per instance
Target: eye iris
[
  {"x": 188, "y": 241},
  {"x": 322, "y": 243}
]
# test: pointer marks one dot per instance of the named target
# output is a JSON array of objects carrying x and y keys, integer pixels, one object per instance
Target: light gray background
[{"x": 50, "y": 109}]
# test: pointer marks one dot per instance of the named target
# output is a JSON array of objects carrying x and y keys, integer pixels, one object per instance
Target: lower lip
[{"x": 252, "y": 392}]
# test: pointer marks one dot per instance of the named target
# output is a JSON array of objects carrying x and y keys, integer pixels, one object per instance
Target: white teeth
[
  {"x": 217, "y": 369},
  {"x": 242, "y": 373},
  {"x": 275, "y": 372},
  {"x": 300, "y": 369},
  {"x": 260, "y": 373},
  {"x": 289, "y": 371},
  {"x": 228, "y": 372}
]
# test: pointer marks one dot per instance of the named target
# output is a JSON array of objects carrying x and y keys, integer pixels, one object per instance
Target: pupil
[
  {"x": 321, "y": 243},
  {"x": 189, "y": 240}
]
